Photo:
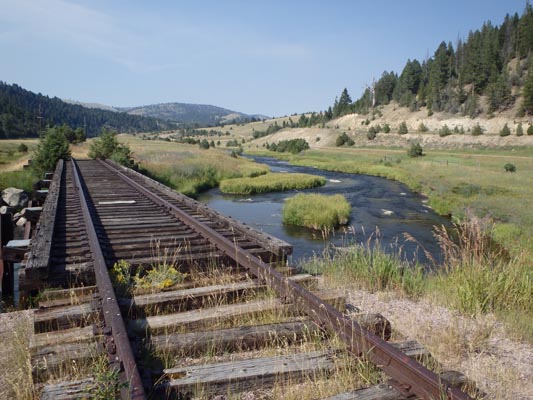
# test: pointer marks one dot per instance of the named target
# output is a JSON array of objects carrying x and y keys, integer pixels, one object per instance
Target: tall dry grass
[{"x": 479, "y": 276}]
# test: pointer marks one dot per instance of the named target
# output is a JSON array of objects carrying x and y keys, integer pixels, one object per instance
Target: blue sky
[{"x": 268, "y": 57}]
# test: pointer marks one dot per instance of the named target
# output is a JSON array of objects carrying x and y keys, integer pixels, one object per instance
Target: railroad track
[{"x": 227, "y": 315}]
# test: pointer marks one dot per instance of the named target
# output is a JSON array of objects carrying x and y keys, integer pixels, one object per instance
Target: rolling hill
[{"x": 25, "y": 114}]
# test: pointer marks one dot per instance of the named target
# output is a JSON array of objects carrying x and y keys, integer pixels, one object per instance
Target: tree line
[
  {"x": 455, "y": 77},
  {"x": 26, "y": 114}
]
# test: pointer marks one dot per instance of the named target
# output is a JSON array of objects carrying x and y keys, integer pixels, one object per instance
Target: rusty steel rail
[
  {"x": 407, "y": 375},
  {"x": 118, "y": 345}
]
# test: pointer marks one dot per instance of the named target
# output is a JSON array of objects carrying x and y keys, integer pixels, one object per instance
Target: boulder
[
  {"x": 7, "y": 209},
  {"x": 21, "y": 221},
  {"x": 14, "y": 197}
]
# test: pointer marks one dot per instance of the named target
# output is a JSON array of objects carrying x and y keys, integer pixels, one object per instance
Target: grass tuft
[
  {"x": 479, "y": 277},
  {"x": 272, "y": 182},
  {"x": 367, "y": 266},
  {"x": 316, "y": 211}
]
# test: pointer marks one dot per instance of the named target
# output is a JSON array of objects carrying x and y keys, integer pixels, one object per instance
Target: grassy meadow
[
  {"x": 271, "y": 182},
  {"x": 11, "y": 162},
  {"x": 187, "y": 168}
]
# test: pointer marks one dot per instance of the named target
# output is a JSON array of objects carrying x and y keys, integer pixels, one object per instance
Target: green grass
[
  {"x": 466, "y": 184},
  {"x": 187, "y": 168},
  {"x": 453, "y": 180},
  {"x": 12, "y": 175},
  {"x": 368, "y": 267},
  {"x": 316, "y": 211},
  {"x": 21, "y": 179},
  {"x": 272, "y": 182},
  {"x": 9, "y": 150},
  {"x": 476, "y": 277}
]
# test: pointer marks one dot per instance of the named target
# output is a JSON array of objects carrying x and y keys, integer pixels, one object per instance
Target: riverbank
[
  {"x": 453, "y": 181},
  {"x": 464, "y": 184}
]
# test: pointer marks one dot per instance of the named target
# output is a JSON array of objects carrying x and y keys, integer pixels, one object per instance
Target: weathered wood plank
[
  {"x": 412, "y": 348},
  {"x": 72, "y": 390},
  {"x": 374, "y": 322},
  {"x": 243, "y": 375},
  {"x": 72, "y": 297},
  {"x": 378, "y": 392},
  {"x": 235, "y": 339},
  {"x": 64, "y": 317},
  {"x": 53, "y": 358},
  {"x": 202, "y": 296},
  {"x": 39, "y": 256},
  {"x": 72, "y": 335},
  {"x": 196, "y": 319},
  {"x": 47, "y": 295},
  {"x": 386, "y": 392}
]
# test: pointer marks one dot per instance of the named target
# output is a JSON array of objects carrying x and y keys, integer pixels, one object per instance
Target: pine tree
[
  {"x": 385, "y": 87},
  {"x": 528, "y": 91},
  {"x": 525, "y": 32},
  {"x": 51, "y": 148},
  {"x": 519, "y": 130},
  {"x": 402, "y": 128},
  {"x": 342, "y": 106}
]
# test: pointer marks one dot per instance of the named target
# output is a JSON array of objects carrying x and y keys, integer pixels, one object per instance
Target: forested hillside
[
  {"x": 24, "y": 114},
  {"x": 494, "y": 61}
]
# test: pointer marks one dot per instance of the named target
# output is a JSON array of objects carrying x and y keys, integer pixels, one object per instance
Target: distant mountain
[
  {"x": 92, "y": 105},
  {"x": 185, "y": 114},
  {"x": 188, "y": 114},
  {"x": 24, "y": 114}
]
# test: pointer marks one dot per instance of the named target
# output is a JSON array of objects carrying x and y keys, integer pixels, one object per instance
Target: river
[{"x": 379, "y": 207}]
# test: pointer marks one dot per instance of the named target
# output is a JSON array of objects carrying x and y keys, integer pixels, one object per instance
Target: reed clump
[
  {"x": 367, "y": 266},
  {"x": 478, "y": 276},
  {"x": 272, "y": 182},
  {"x": 316, "y": 211}
]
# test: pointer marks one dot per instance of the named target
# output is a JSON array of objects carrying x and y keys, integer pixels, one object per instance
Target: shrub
[
  {"x": 530, "y": 130},
  {"x": 386, "y": 128},
  {"x": 509, "y": 167},
  {"x": 51, "y": 148},
  {"x": 415, "y": 150},
  {"x": 371, "y": 134},
  {"x": 445, "y": 131},
  {"x": 204, "y": 144},
  {"x": 343, "y": 139},
  {"x": 293, "y": 146},
  {"x": 402, "y": 128},
  {"x": 161, "y": 276},
  {"x": 103, "y": 146},
  {"x": 107, "y": 146},
  {"x": 422, "y": 128},
  {"x": 477, "y": 130},
  {"x": 505, "y": 131},
  {"x": 316, "y": 211},
  {"x": 519, "y": 130},
  {"x": 22, "y": 148}
]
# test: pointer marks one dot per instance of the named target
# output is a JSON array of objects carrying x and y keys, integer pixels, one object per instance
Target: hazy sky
[{"x": 268, "y": 57}]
